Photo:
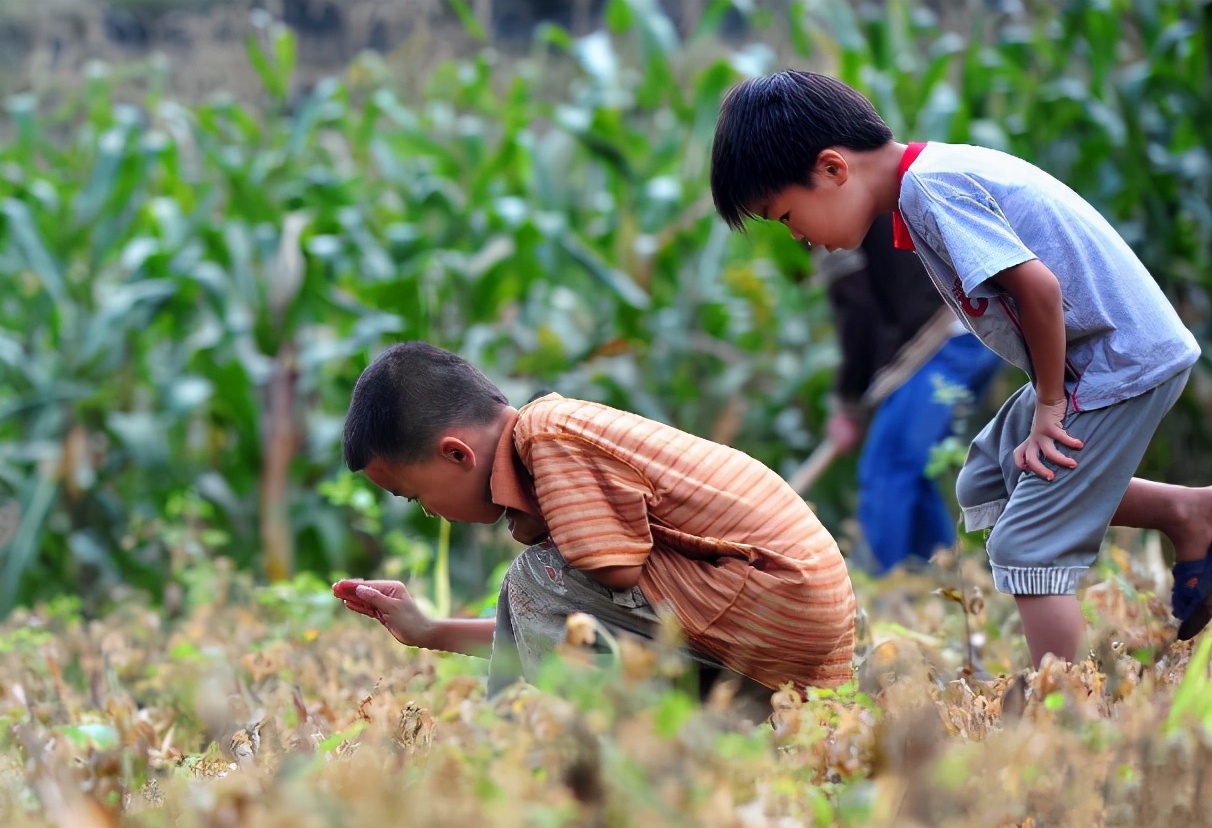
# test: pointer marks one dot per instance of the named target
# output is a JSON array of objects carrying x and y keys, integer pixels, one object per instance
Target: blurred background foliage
[{"x": 190, "y": 286}]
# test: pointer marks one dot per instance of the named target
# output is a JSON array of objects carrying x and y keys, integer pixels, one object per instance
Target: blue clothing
[
  {"x": 901, "y": 511},
  {"x": 974, "y": 212}
]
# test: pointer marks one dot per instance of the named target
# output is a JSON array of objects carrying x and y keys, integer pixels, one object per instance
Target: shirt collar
[
  {"x": 510, "y": 484},
  {"x": 901, "y": 239}
]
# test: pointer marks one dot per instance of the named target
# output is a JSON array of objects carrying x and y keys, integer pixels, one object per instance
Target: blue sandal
[{"x": 1191, "y": 599}]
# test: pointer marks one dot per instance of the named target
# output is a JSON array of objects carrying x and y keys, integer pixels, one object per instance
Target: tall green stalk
[{"x": 441, "y": 572}]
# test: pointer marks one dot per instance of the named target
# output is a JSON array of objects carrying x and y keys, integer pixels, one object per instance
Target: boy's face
[
  {"x": 830, "y": 214},
  {"x": 450, "y": 484}
]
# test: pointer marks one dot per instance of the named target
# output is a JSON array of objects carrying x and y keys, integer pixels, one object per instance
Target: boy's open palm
[
  {"x": 389, "y": 603},
  {"x": 1046, "y": 431}
]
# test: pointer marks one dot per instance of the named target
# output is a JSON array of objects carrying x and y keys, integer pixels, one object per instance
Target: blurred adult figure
[{"x": 904, "y": 355}]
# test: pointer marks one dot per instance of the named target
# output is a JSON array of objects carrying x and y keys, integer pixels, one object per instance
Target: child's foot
[{"x": 1191, "y": 599}]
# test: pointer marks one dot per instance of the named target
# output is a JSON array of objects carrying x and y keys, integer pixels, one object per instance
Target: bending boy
[
  {"x": 620, "y": 514},
  {"x": 1046, "y": 282}
]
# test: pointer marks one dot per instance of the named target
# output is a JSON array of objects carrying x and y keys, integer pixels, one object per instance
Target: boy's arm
[
  {"x": 616, "y": 577},
  {"x": 1037, "y": 294},
  {"x": 389, "y": 603},
  {"x": 469, "y": 636}
]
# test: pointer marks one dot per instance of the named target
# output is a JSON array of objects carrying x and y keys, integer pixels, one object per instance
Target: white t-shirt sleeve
[{"x": 963, "y": 223}]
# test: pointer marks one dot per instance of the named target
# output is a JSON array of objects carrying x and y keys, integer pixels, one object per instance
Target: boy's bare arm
[
  {"x": 1037, "y": 294},
  {"x": 389, "y": 603},
  {"x": 616, "y": 577},
  {"x": 469, "y": 636}
]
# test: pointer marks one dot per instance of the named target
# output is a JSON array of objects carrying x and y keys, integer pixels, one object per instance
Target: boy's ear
[
  {"x": 831, "y": 167},
  {"x": 456, "y": 451}
]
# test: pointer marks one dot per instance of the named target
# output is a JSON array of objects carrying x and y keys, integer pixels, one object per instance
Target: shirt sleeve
[
  {"x": 595, "y": 504},
  {"x": 963, "y": 223}
]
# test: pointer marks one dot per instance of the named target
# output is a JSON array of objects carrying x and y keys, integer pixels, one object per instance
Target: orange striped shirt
[{"x": 752, "y": 576}]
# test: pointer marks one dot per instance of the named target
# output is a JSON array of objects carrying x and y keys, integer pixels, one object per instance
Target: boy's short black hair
[
  {"x": 410, "y": 394},
  {"x": 771, "y": 130}
]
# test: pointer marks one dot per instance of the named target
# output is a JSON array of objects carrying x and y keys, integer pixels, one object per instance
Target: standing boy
[
  {"x": 621, "y": 515},
  {"x": 1043, "y": 280}
]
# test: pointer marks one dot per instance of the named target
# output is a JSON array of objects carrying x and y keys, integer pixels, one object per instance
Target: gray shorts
[{"x": 1046, "y": 534}]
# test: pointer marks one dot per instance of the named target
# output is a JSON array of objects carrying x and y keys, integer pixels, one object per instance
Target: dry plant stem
[
  {"x": 964, "y": 599},
  {"x": 1051, "y": 624},
  {"x": 959, "y": 571}
]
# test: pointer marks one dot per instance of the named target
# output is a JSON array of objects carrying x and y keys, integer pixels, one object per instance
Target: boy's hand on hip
[
  {"x": 389, "y": 603},
  {"x": 1046, "y": 431}
]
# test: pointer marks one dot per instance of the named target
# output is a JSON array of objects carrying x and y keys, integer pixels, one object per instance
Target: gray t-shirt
[{"x": 974, "y": 212}]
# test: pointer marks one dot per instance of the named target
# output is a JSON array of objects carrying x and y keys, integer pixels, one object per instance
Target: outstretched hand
[
  {"x": 1046, "y": 431},
  {"x": 389, "y": 603}
]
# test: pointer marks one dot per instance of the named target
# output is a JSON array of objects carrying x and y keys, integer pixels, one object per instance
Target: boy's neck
[
  {"x": 506, "y": 417},
  {"x": 510, "y": 485},
  {"x": 884, "y": 166}
]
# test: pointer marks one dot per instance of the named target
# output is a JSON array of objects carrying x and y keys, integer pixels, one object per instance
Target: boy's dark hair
[
  {"x": 407, "y": 396},
  {"x": 771, "y": 130}
]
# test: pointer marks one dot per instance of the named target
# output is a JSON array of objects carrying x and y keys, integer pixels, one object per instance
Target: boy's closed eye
[{"x": 785, "y": 220}]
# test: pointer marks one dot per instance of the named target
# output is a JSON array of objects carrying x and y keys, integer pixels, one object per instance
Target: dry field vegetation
[{"x": 268, "y": 706}]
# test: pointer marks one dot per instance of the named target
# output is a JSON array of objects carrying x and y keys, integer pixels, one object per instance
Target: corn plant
[
  {"x": 191, "y": 289},
  {"x": 188, "y": 290}
]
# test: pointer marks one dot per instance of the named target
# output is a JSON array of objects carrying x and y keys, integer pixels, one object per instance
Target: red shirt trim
[
  {"x": 901, "y": 239},
  {"x": 510, "y": 484}
]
